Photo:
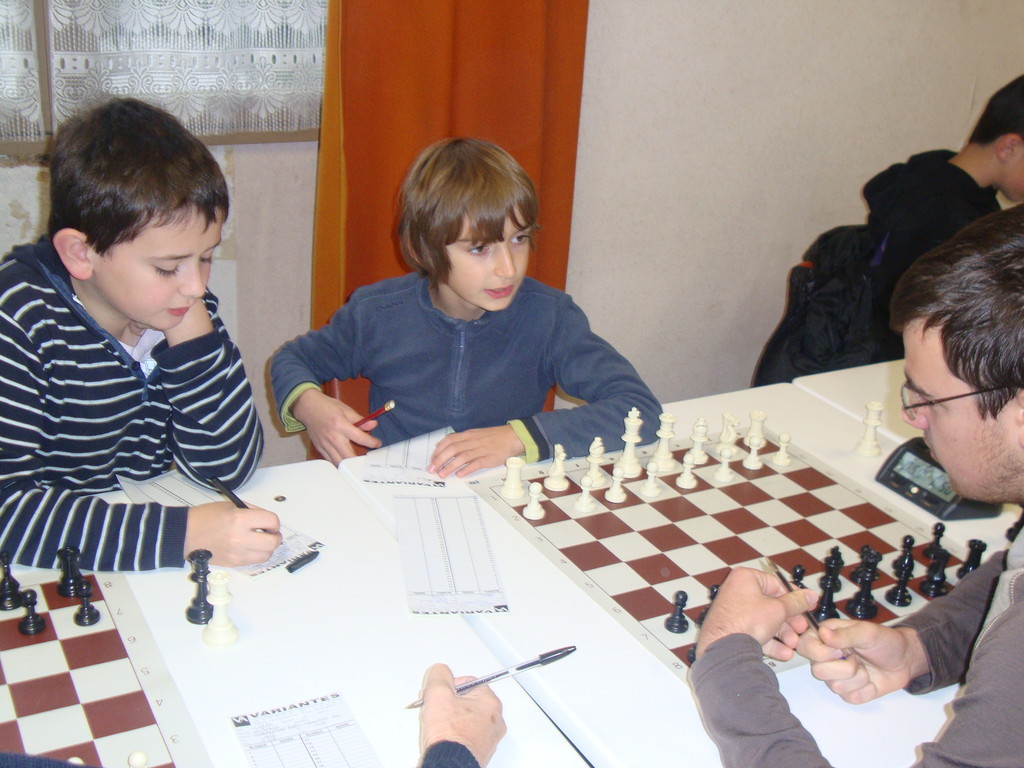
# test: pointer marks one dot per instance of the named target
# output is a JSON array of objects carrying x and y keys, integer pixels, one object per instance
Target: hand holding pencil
[{"x": 333, "y": 426}]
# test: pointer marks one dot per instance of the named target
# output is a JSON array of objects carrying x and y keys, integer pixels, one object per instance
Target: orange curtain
[{"x": 401, "y": 74}]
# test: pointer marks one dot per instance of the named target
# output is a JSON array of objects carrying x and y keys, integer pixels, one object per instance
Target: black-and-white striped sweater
[{"x": 76, "y": 410}]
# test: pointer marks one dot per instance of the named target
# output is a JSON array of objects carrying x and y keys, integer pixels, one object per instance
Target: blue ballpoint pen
[{"x": 539, "y": 661}]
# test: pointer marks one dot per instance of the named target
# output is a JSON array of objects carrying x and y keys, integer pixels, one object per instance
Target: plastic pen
[{"x": 540, "y": 661}]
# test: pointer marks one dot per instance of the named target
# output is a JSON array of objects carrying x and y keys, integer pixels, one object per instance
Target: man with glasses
[{"x": 960, "y": 310}]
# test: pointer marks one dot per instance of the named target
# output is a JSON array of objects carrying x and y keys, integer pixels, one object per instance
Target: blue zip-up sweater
[
  {"x": 471, "y": 374},
  {"x": 76, "y": 410}
]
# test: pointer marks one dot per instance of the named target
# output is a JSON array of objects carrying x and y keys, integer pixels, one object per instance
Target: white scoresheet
[{"x": 447, "y": 559}]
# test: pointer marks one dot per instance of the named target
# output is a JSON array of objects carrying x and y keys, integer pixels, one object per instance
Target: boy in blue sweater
[
  {"x": 466, "y": 341},
  {"x": 113, "y": 360}
]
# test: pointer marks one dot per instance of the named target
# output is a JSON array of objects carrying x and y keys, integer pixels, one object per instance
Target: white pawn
[
  {"x": 556, "y": 479},
  {"x": 757, "y": 419},
  {"x": 723, "y": 474},
  {"x": 138, "y": 759},
  {"x": 781, "y": 457},
  {"x": 651, "y": 488},
  {"x": 753, "y": 461},
  {"x": 594, "y": 458},
  {"x": 534, "y": 510},
  {"x": 868, "y": 445},
  {"x": 585, "y": 501},
  {"x": 615, "y": 494},
  {"x": 512, "y": 488},
  {"x": 221, "y": 630},
  {"x": 686, "y": 478},
  {"x": 699, "y": 436}
]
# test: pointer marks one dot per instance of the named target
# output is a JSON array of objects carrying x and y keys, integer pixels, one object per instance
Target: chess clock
[{"x": 913, "y": 473}]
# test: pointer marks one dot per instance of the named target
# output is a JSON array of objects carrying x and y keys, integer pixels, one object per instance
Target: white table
[
  {"x": 617, "y": 703},
  {"x": 340, "y": 624}
]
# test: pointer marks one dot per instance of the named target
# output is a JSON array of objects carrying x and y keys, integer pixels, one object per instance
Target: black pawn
[
  {"x": 975, "y": 549},
  {"x": 833, "y": 567},
  {"x": 900, "y": 595},
  {"x": 798, "y": 573},
  {"x": 906, "y": 556},
  {"x": 31, "y": 623},
  {"x": 87, "y": 613},
  {"x": 10, "y": 596},
  {"x": 935, "y": 545},
  {"x": 712, "y": 591},
  {"x": 935, "y": 584},
  {"x": 862, "y": 605},
  {"x": 199, "y": 610},
  {"x": 677, "y": 621},
  {"x": 70, "y": 583}
]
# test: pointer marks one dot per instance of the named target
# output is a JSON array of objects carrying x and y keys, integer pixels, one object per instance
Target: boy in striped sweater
[{"x": 114, "y": 361}]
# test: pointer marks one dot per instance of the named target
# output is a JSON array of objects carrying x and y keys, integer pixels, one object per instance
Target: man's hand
[
  {"x": 331, "y": 425},
  {"x": 234, "y": 536},
  {"x": 463, "y": 453},
  {"x": 751, "y": 602},
  {"x": 472, "y": 719},
  {"x": 861, "y": 661}
]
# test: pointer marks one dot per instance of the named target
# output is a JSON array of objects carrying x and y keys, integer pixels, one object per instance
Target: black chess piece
[
  {"x": 798, "y": 574},
  {"x": 906, "y": 555},
  {"x": 199, "y": 610},
  {"x": 975, "y": 549},
  {"x": 1013, "y": 530},
  {"x": 71, "y": 580},
  {"x": 855, "y": 573},
  {"x": 691, "y": 654},
  {"x": 712, "y": 591},
  {"x": 826, "y": 608},
  {"x": 87, "y": 613},
  {"x": 900, "y": 595},
  {"x": 862, "y": 605},
  {"x": 10, "y": 596},
  {"x": 677, "y": 621},
  {"x": 31, "y": 623},
  {"x": 935, "y": 545},
  {"x": 833, "y": 567},
  {"x": 935, "y": 584}
]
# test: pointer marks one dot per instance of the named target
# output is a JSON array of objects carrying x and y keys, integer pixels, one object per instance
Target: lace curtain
[{"x": 224, "y": 67}]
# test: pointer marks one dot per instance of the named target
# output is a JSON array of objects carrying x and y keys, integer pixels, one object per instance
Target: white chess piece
[
  {"x": 729, "y": 434},
  {"x": 615, "y": 494},
  {"x": 512, "y": 488},
  {"x": 585, "y": 501},
  {"x": 651, "y": 488},
  {"x": 686, "y": 478},
  {"x": 757, "y": 419},
  {"x": 723, "y": 474},
  {"x": 753, "y": 461},
  {"x": 699, "y": 436},
  {"x": 781, "y": 457},
  {"x": 534, "y": 510},
  {"x": 221, "y": 630},
  {"x": 594, "y": 458},
  {"x": 663, "y": 453},
  {"x": 138, "y": 759},
  {"x": 868, "y": 444},
  {"x": 627, "y": 460},
  {"x": 556, "y": 479}
]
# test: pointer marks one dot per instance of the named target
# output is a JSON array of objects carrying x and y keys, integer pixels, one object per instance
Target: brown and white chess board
[{"x": 633, "y": 556}]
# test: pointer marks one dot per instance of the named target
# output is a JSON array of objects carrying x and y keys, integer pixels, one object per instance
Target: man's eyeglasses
[{"x": 910, "y": 408}]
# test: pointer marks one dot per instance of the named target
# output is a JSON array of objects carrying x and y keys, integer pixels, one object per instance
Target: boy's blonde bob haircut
[{"x": 453, "y": 183}]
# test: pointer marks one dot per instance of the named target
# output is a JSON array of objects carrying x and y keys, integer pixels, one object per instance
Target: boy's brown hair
[
  {"x": 124, "y": 165},
  {"x": 453, "y": 183}
]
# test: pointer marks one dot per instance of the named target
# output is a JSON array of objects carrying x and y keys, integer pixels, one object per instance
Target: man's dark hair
[
  {"x": 971, "y": 289},
  {"x": 124, "y": 165},
  {"x": 1003, "y": 114}
]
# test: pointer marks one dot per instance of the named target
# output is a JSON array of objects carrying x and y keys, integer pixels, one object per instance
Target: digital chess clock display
[{"x": 913, "y": 473}]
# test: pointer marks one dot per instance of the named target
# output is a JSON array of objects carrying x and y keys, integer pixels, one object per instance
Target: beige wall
[{"x": 717, "y": 139}]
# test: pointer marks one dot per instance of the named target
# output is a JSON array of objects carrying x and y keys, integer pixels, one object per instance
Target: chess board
[
  {"x": 97, "y": 693},
  {"x": 633, "y": 556}
]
